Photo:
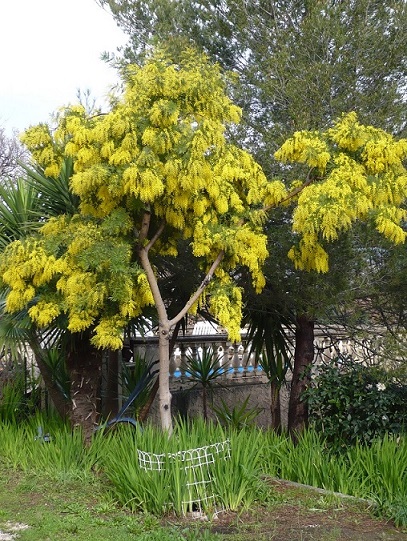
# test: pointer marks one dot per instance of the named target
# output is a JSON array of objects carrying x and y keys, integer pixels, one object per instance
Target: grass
[
  {"x": 75, "y": 509},
  {"x": 62, "y": 490},
  {"x": 83, "y": 510}
]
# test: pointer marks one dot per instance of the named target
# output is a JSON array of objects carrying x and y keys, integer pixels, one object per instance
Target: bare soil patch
[{"x": 302, "y": 514}]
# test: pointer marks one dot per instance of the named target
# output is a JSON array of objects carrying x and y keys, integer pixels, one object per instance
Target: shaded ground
[{"x": 306, "y": 515}]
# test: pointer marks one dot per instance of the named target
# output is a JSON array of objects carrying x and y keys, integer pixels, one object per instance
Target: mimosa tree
[{"x": 158, "y": 168}]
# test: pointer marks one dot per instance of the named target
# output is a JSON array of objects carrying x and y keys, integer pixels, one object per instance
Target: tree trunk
[
  {"x": 303, "y": 358},
  {"x": 146, "y": 408},
  {"x": 164, "y": 379},
  {"x": 275, "y": 407},
  {"x": 84, "y": 366},
  {"x": 59, "y": 400},
  {"x": 110, "y": 375},
  {"x": 205, "y": 403}
]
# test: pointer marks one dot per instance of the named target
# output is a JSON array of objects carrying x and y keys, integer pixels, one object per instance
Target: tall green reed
[
  {"x": 238, "y": 479},
  {"x": 383, "y": 467},
  {"x": 228, "y": 482},
  {"x": 375, "y": 471},
  {"x": 60, "y": 455}
]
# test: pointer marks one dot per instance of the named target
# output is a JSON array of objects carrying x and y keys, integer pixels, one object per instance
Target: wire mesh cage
[{"x": 196, "y": 469}]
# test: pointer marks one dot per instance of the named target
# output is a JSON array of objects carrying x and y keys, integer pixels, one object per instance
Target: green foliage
[
  {"x": 55, "y": 360},
  {"x": 237, "y": 417},
  {"x": 11, "y": 399},
  {"x": 204, "y": 368},
  {"x": 269, "y": 335},
  {"x": 18, "y": 210},
  {"x": 375, "y": 472},
  {"x": 350, "y": 402},
  {"x": 62, "y": 456}
]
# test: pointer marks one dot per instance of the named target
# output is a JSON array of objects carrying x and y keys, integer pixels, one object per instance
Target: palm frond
[
  {"x": 18, "y": 210},
  {"x": 54, "y": 194}
]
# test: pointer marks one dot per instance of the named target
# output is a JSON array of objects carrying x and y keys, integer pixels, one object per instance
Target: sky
[{"x": 49, "y": 50}]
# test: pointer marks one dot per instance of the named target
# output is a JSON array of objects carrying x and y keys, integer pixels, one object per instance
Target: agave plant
[{"x": 139, "y": 372}]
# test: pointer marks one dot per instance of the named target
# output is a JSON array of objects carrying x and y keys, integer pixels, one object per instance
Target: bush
[{"x": 350, "y": 402}]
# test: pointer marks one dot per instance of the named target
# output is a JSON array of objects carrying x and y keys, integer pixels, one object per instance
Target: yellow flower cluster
[
  {"x": 24, "y": 267},
  {"x": 43, "y": 313},
  {"x": 44, "y": 149},
  {"x": 305, "y": 147},
  {"x": 387, "y": 223},
  {"x": 310, "y": 255},
  {"x": 108, "y": 333},
  {"x": 348, "y": 134},
  {"x": 384, "y": 154},
  {"x": 250, "y": 248},
  {"x": 226, "y": 305},
  {"x": 364, "y": 177}
]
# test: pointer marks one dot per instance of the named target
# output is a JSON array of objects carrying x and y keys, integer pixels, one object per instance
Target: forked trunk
[
  {"x": 84, "y": 366},
  {"x": 146, "y": 408},
  {"x": 303, "y": 358}
]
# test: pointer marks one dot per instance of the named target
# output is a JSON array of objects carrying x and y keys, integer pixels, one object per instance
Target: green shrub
[{"x": 350, "y": 402}]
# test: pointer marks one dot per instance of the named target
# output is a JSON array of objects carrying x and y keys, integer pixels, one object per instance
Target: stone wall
[{"x": 187, "y": 400}]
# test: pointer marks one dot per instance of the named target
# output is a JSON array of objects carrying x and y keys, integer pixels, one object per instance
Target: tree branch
[
  {"x": 200, "y": 289},
  {"x": 155, "y": 236},
  {"x": 295, "y": 192},
  {"x": 145, "y": 226}
]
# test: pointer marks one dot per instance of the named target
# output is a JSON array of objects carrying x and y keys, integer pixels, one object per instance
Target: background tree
[
  {"x": 300, "y": 65},
  {"x": 11, "y": 153}
]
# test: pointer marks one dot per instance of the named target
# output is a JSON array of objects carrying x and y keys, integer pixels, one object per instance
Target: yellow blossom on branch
[{"x": 363, "y": 179}]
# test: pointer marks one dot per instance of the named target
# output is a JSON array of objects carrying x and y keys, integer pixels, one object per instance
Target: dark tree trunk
[
  {"x": 205, "y": 403},
  {"x": 59, "y": 400},
  {"x": 303, "y": 358},
  {"x": 110, "y": 377},
  {"x": 84, "y": 366},
  {"x": 275, "y": 407}
]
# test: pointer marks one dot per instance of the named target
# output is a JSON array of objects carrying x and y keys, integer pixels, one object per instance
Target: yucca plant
[
  {"x": 269, "y": 334},
  {"x": 204, "y": 370}
]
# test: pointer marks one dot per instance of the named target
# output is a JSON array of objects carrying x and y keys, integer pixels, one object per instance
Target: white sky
[{"x": 50, "y": 49}]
